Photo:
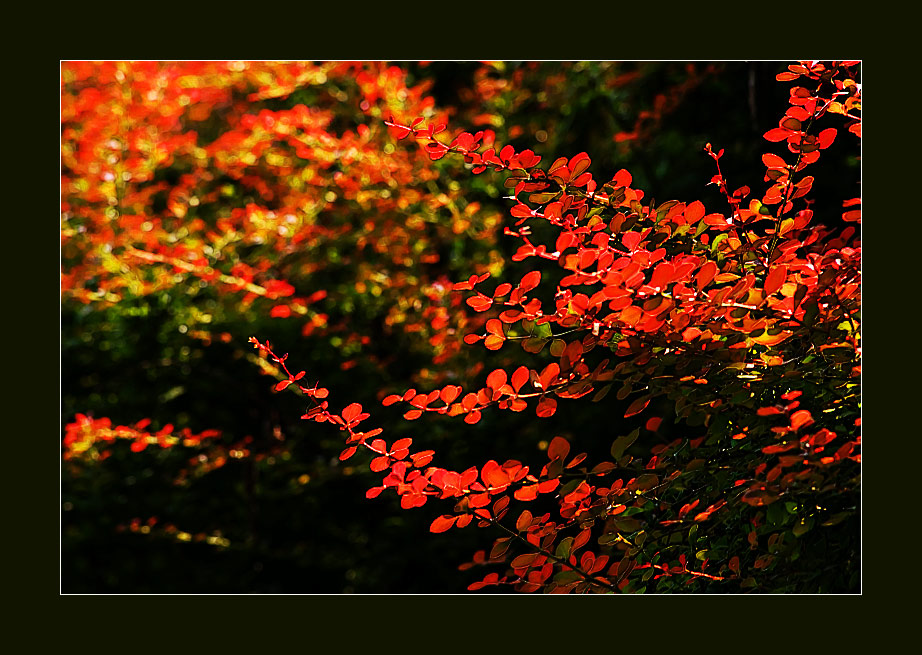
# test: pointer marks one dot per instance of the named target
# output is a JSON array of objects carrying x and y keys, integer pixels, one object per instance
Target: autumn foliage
[{"x": 714, "y": 348}]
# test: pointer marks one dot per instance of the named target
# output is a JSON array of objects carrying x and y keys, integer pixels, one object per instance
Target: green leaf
[
  {"x": 533, "y": 344},
  {"x": 802, "y": 526},
  {"x": 563, "y": 548},
  {"x": 811, "y": 311},
  {"x": 720, "y": 237},
  {"x": 835, "y": 519},
  {"x": 628, "y": 524},
  {"x": 606, "y": 539},
  {"x": 567, "y": 576},
  {"x": 623, "y": 443},
  {"x": 543, "y": 197}
]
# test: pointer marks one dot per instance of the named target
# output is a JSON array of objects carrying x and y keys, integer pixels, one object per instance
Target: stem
[{"x": 593, "y": 580}]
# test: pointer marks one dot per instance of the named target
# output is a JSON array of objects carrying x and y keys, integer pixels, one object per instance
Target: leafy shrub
[{"x": 721, "y": 349}]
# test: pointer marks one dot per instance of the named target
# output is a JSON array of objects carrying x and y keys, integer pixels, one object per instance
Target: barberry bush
[{"x": 689, "y": 370}]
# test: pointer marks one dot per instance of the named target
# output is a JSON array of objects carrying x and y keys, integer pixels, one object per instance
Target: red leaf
[
  {"x": 775, "y": 278},
  {"x": 705, "y": 274},
  {"x": 548, "y": 486},
  {"x": 716, "y": 220},
  {"x": 479, "y": 303},
  {"x": 401, "y": 444},
  {"x": 519, "y": 377},
  {"x": 800, "y": 418},
  {"x": 442, "y": 523},
  {"x": 420, "y": 459},
  {"x": 472, "y": 417},
  {"x": 502, "y": 290},
  {"x": 694, "y": 212},
  {"x": 495, "y": 326},
  {"x": 546, "y": 407},
  {"x": 662, "y": 275},
  {"x": 777, "y": 134},
  {"x": 520, "y": 211},
  {"x": 282, "y": 385},
  {"x": 347, "y": 453},
  {"x": 391, "y": 399},
  {"x": 637, "y": 406},
  {"x": 530, "y": 281},
  {"x": 351, "y": 411},
  {"x": 449, "y": 394},
  {"x": 398, "y": 132},
  {"x": 579, "y": 163},
  {"x": 548, "y": 375},
  {"x": 622, "y": 178},
  {"x": 773, "y": 161},
  {"x": 378, "y": 464},
  {"x": 826, "y": 137},
  {"x": 528, "y": 492},
  {"x": 630, "y": 240},
  {"x": 496, "y": 379},
  {"x": 558, "y": 448},
  {"x": 581, "y": 539}
]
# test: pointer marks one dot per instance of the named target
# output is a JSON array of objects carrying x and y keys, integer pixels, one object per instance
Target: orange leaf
[
  {"x": 493, "y": 342},
  {"x": 694, "y": 212}
]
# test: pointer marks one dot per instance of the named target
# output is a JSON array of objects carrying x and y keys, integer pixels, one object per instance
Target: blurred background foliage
[{"x": 282, "y": 176}]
